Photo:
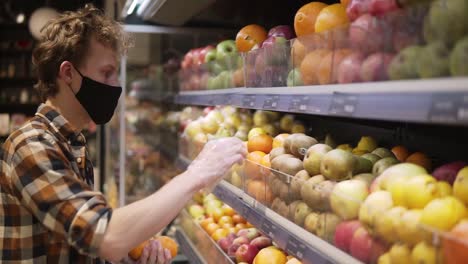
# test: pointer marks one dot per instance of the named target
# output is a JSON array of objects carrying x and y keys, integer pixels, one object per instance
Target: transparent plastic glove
[
  {"x": 215, "y": 160},
  {"x": 153, "y": 253}
]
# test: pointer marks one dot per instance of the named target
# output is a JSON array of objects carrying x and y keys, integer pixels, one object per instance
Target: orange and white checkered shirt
[{"x": 49, "y": 212}]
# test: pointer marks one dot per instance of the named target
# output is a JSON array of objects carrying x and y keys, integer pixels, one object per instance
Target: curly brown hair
[{"x": 67, "y": 38}]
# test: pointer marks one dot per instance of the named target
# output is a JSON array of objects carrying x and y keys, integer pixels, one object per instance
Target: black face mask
[{"x": 98, "y": 99}]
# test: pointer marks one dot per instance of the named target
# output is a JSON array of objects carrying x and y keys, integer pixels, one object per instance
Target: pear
[
  {"x": 443, "y": 213},
  {"x": 383, "y": 164},
  {"x": 337, "y": 165},
  {"x": 314, "y": 157},
  {"x": 276, "y": 152},
  {"x": 326, "y": 226},
  {"x": 371, "y": 157},
  {"x": 297, "y": 182},
  {"x": 286, "y": 123},
  {"x": 408, "y": 229},
  {"x": 300, "y": 143},
  {"x": 419, "y": 190},
  {"x": 383, "y": 153},
  {"x": 367, "y": 143},
  {"x": 458, "y": 58},
  {"x": 374, "y": 205},
  {"x": 386, "y": 225},
  {"x": 301, "y": 212}
]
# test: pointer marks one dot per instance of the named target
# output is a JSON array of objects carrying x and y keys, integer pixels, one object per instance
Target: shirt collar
[{"x": 60, "y": 124}]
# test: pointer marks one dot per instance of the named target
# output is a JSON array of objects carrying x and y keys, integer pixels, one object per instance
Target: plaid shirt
[{"x": 49, "y": 212}]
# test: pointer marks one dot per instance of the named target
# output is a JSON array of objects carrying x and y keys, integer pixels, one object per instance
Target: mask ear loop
[{"x": 82, "y": 77}]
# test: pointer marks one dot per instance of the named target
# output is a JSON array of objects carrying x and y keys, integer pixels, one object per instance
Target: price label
[
  {"x": 299, "y": 103},
  {"x": 252, "y": 216},
  {"x": 296, "y": 247},
  {"x": 248, "y": 101},
  {"x": 343, "y": 104},
  {"x": 275, "y": 232},
  {"x": 211, "y": 99},
  {"x": 271, "y": 102},
  {"x": 449, "y": 108},
  {"x": 226, "y": 99}
]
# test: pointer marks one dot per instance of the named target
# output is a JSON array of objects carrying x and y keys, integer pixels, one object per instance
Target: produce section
[
  {"x": 353, "y": 115},
  {"x": 366, "y": 200}
]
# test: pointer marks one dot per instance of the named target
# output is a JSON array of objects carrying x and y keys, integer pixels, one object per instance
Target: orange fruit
[
  {"x": 227, "y": 225},
  {"x": 298, "y": 52},
  {"x": 305, "y": 18},
  {"x": 278, "y": 141},
  {"x": 170, "y": 244},
  {"x": 345, "y": 2},
  {"x": 332, "y": 16},
  {"x": 400, "y": 152},
  {"x": 262, "y": 142},
  {"x": 166, "y": 242},
  {"x": 205, "y": 222},
  {"x": 249, "y": 36},
  {"x": 225, "y": 220},
  {"x": 240, "y": 226},
  {"x": 266, "y": 163},
  {"x": 328, "y": 70},
  {"x": 310, "y": 65},
  {"x": 251, "y": 168},
  {"x": 217, "y": 213},
  {"x": 249, "y": 225},
  {"x": 227, "y": 210},
  {"x": 211, "y": 228},
  {"x": 219, "y": 233},
  {"x": 268, "y": 254},
  {"x": 135, "y": 253},
  {"x": 260, "y": 191},
  {"x": 420, "y": 159},
  {"x": 238, "y": 219},
  {"x": 455, "y": 244}
]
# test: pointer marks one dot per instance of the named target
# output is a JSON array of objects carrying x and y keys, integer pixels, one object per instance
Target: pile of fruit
[
  {"x": 392, "y": 196},
  {"x": 366, "y": 200},
  {"x": 234, "y": 235},
  {"x": 351, "y": 41}
]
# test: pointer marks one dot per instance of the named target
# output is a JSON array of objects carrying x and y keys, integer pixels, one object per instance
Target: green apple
[
  {"x": 210, "y": 56},
  {"x": 459, "y": 58},
  {"x": 294, "y": 78},
  {"x": 433, "y": 60}
]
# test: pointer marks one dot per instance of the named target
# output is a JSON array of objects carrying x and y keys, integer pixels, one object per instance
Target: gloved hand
[
  {"x": 215, "y": 160},
  {"x": 153, "y": 253}
]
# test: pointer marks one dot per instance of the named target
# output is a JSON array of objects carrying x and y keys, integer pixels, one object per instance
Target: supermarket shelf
[
  {"x": 436, "y": 101},
  {"x": 188, "y": 248},
  {"x": 27, "y": 109},
  {"x": 174, "y": 30},
  {"x": 290, "y": 237}
]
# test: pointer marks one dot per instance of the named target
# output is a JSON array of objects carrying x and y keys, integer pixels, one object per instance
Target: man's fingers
[{"x": 168, "y": 256}]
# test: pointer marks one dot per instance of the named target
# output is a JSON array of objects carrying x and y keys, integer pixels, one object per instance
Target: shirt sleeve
[{"x": 43, "y": 180}]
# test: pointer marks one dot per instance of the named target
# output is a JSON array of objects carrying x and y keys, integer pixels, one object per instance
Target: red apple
[
  {"x": 357, "y": 8},
  {"x": 249, "y": 233},
  {"x": 226, "y": 242},
  {"x": 375, "y": 67},
  {"x": 207, "y": 110},
  {"x": 236, "y": 243},
  {"x": 364, "y": 247},
  {"x": 369, "y": 34},
  {"x": 246, "y": 253},
  {"x": 284, "y": 31},
  {"x": 344, "y": 233},
  {"x": 361, "y": 245},
  {"x": 261, "y": 242},
  {"x": 448, "y": 172},
  {"x": 381, "y": 7},
  {"x": 349, "y": 70}
]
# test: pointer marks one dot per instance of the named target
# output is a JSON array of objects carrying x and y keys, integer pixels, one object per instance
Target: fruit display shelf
[
  {"x": 201, "y": 244},
  {"x": 188, "y": 248},
  {"x": 434, "y": 101},
  {"x": 287, "y": 235}
]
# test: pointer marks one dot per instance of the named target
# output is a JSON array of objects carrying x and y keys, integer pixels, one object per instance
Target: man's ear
[{"x": 66, "y": 72}]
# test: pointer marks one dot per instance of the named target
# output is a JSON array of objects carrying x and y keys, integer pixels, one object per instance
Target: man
[{"x": 49, "y": 212}]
